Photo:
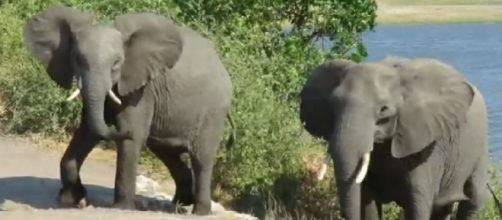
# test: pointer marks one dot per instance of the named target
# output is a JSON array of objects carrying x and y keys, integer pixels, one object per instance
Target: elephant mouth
[{"x": 380, "y": 139}]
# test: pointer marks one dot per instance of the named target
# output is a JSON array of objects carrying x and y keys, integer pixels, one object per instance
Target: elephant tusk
[
  {"x": 364, "y": 168},
  {"x": 73, "y": 95},
  {"x": 114, "y": 97},
  {"x": 324, "y": 167}
]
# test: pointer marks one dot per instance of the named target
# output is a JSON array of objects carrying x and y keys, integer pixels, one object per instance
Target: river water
[{"x": 474, "y": 49}]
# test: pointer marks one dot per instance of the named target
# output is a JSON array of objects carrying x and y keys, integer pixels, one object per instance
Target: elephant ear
[
  {"x": 316, "y": 109},
  {"x": 152, "y": 45},
  {"x": 436, "y": 99},
  {"x": 49, "y": 36}
]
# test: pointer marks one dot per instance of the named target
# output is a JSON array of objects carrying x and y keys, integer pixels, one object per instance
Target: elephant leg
[
  {"x": 73, "y": 192},
  {"x": 136, "y": 121},
  {"x": 418, "y": 210},
  {"x": 477, "y": 192},
  {"x": 203, "y": 154},
  {"x": 170, "y": 155},
  {"x": 370, "y": 209},
  {"x": 442, "y": 213},
  {"x": 419, "y": 204}
]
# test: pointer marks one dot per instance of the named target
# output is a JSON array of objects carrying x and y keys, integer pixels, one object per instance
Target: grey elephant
[
  {"x": 412, "y": 131},
  {"x": 143, "y": 81}
]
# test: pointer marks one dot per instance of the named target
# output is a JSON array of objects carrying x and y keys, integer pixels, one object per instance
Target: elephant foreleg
[
  {"x": 442, "y": 213},
  {"x": 136, "y": 121},
  {"x": 419, "y": 210},
  {"x": 370, "y": 208},
  {"x": 125, "y": 177},
  {"x": 73, "y": 192},
  {"x": 477, "y": 192},
  {"x": 419, "y": 206}
]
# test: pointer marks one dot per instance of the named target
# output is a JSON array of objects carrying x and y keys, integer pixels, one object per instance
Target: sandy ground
[
  {"x": 438, "y": 13},
  {"x": 29, "y": 182}
]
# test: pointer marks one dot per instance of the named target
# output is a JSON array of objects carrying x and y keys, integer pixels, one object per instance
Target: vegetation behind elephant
[
  {"x": 143, "y": 80},
  {"x": 412, "y": 131}
]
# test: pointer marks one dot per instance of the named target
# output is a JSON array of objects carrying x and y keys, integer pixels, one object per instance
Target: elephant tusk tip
[
  {"x": 324, "y": 167},
  {"x": 322, "y": 172},
  {"x": 364, "y": 168},
  {"x": 73, "y": 95},
  {"x": 359, "y": 179},
  {"x": 114, "y": 97}
]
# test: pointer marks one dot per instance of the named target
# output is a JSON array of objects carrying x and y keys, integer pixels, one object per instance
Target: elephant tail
[
  {"x": 497, "y": 201},
  {"x": 232, "y": 135}
]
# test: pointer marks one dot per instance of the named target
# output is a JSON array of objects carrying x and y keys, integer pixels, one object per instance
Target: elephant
[
  {"x": 143, "y": 80},
  {"x": 407, "y": 130}
]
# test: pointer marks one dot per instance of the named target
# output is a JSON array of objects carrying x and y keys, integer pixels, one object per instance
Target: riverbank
[{"x": 396, "y": 13}]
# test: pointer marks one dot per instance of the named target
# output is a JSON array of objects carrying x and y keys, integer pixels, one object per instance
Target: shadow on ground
[
  {"x": 28, "y": 192},
  {"x": 41, "y": 193}
]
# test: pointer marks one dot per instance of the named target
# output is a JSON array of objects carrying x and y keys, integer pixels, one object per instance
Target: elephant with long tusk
[
  {"x": 144, "y": 81},
  {"x": 412, "y": 131}
]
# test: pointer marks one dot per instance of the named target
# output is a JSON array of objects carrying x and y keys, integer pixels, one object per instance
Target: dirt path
[{"x": 29, "y": 182}]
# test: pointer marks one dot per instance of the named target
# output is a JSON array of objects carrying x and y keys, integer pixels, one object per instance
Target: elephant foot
[
  {"x": 183, "y": 198},
  {"x": 151, "y": 204},
  {"x": 202, "y": 209},
  {"x": 176, "y": 209},
  {"x": 73, "y": 197}
]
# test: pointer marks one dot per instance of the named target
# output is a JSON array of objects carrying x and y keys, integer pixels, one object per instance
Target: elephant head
[
  {"x": 409, "y": 104},
  {"x": 100, "y": 58}
]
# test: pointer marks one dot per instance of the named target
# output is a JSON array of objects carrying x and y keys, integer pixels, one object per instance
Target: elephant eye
[{"x": 116, "y": 64}]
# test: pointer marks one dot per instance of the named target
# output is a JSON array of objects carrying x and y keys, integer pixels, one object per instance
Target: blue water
[{"x": 474, "y": 49}]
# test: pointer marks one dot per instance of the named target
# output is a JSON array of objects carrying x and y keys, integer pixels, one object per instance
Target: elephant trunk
[
  {"x": 350, "y": 145},
  {"x": 94, "y": 93}
]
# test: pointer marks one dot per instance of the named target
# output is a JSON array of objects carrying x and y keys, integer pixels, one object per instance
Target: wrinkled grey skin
[
  {"x": 424, "y": 125},
  {"x": 175, "y": 95}
]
